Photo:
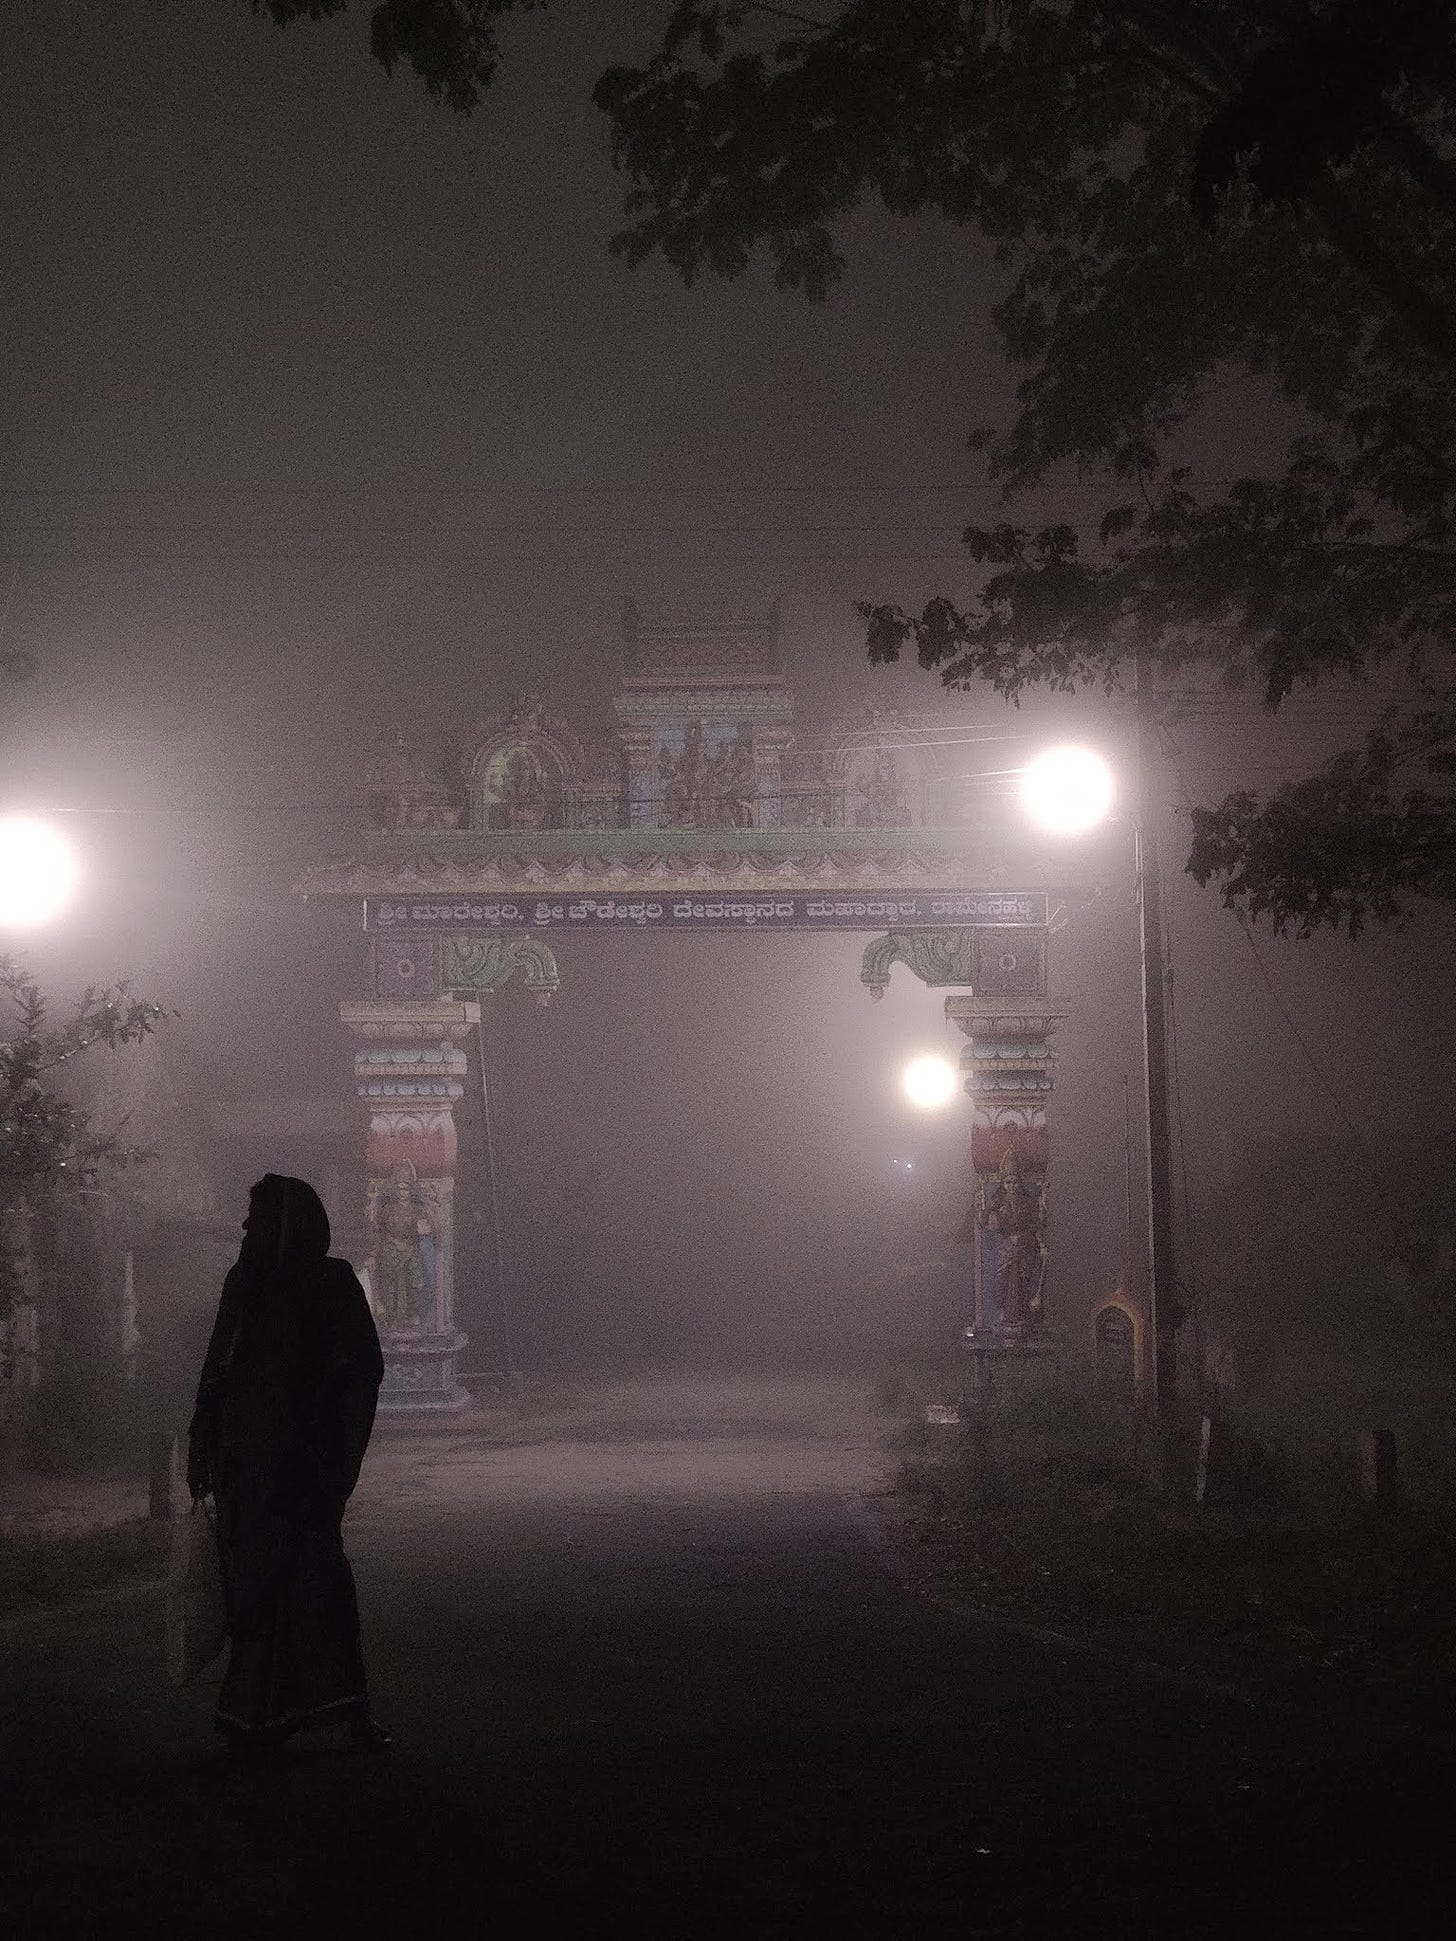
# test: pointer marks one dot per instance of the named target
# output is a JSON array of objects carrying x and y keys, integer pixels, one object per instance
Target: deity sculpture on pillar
[
  {"x": 1012, "y": 1207},
  {"x": 1008, "y": 1066},
  {"x": 406, "y": 1222}
]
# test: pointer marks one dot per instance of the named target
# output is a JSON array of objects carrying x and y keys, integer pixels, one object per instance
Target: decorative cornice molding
[
  {"x": 1003, "y": 1019},
  {"x": 468, "y": 870},
  {"x": 424, "y": 1089}
]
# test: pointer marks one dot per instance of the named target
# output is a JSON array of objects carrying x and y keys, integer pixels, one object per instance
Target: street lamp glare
[
  {"x": 929, "y": 1082},
  {"x": 1067, "y": 790},
  {"x": 37, "y": 872}
]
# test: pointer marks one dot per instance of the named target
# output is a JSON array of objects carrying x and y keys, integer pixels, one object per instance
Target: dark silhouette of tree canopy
[
  {"x": 450, "y": 44},
  {"x": 1181, "y": 195}
]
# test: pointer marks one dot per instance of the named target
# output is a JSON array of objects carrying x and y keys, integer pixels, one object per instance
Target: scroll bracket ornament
[
  {"x": 937, "y": 957},
  {"x": 489, "y": 963}
]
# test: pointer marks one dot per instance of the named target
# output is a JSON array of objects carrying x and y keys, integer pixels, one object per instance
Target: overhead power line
[
  {"x": 458, "y": 489},
  {"x": 472, "y": 529}
]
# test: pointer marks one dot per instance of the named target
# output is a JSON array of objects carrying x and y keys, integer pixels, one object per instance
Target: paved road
[{"x": 650, "y": 1673}]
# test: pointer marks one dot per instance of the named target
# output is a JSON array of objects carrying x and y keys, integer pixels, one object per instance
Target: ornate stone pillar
[
  {"x": 1008, "y": 1073},
  {"x": 409, "y": 1073}
]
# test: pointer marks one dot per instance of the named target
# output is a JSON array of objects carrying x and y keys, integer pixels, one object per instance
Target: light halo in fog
[
  {"x": 929, "y": 1081},
  {"x": 37, "y": 872},
  {"x": 1067, "y": 790}
]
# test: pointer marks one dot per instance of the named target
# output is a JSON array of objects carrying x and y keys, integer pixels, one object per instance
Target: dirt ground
[{"x": 654, "y": 1665}]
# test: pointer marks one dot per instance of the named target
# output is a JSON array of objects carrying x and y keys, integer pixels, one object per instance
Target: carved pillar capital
[
  {"x": 410, "y": 1021},
  {"x": 1010, "y": 1045}
]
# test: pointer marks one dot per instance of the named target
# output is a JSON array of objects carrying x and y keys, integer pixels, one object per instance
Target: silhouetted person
[{"x": 284, "y": 1411}]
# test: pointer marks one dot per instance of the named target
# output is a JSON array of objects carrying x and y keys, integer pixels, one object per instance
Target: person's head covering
[{"x": 287, "y": 1224}]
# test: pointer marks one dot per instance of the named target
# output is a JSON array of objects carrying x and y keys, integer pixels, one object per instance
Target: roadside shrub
[{"x": 1050, "y": 1445}]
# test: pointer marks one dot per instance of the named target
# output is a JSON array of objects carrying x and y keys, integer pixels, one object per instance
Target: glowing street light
[
  {"x": 929, "y": 1082},
  {"x": 37, "y": 872},
  {"x": 1067, "y": 791}
]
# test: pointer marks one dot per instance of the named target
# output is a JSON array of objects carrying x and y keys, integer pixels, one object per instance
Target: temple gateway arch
[{"x": 696, "y": 811}]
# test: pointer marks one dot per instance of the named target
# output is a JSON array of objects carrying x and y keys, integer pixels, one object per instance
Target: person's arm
[
  {"x": 364, "y": 1372},
  {"x": 201, "y": 1433},
  {"x": 352, "y": 1370}
]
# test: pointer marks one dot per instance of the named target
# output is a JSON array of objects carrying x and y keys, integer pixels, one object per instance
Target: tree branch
[
  {"x": 1431, "y": 325},
  {"x": 1430, "y": 169}
]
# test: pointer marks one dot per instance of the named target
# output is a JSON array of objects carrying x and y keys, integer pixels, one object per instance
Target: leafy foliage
[
  {"x": 1182, "y": 199},
  {"x": 46, "y": 1141},
  {"x": 1191, "y": 204},
  {"x": 450, "y": 44},
  {"x": 1350, "y": 843}
]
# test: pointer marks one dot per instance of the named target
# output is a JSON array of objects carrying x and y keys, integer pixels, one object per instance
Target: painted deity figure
[
  {"x": 684, "y": 781},
  {"x": 733, "y": 782},
  {"x": 881, "y": 799},
  {"x": 525, "y": 790},
  {"x": 518, "y": 794},
  {"x": 1014, "y": 1213},
  {"x": 669, "y": 789},
  {"x": 404, "y": 1251}
]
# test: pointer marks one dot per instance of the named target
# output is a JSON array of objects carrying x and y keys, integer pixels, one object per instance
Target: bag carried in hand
[{"x": 195, "y": 1607}]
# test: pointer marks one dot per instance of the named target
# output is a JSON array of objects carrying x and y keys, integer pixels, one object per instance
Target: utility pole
[{"x": 1165, "y": 1308}]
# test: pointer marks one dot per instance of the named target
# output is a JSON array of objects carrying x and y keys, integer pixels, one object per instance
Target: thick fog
[{"x": 328, "y": 414}]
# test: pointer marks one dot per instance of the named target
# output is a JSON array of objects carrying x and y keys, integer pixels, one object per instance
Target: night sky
[{"x": 325, "y": 411}]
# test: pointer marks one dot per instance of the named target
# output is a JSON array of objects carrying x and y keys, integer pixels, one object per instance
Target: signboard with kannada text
[{"x": 798, "y": 910}]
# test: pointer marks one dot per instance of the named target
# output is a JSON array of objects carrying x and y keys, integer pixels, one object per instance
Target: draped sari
[{"x": 284, "y": 1412}]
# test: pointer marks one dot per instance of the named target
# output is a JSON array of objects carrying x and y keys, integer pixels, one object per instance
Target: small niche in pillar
[{"x": 1118, "y": 1336}]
